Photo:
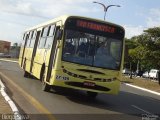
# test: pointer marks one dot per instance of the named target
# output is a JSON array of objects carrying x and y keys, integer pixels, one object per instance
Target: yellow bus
[{"x": 75, "y": 52}]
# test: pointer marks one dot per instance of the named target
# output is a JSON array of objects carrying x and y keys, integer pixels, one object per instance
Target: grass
[{"x": 142, "y": 82}]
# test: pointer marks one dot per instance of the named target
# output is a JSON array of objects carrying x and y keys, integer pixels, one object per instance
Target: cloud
[
  {"x": 22, "y": 13},
  {"x": 44, "y": 9},
  {"x": 154, "y": 18},
  {"x": 133, "y": 30}
]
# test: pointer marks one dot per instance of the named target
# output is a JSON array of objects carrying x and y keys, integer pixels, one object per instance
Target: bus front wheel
[{"x": 92, "y": 94}]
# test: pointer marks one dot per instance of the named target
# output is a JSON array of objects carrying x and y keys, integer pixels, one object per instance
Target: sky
[{"x": 18, "y": 15}]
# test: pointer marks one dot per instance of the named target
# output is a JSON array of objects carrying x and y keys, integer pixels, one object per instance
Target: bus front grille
[{"x": 81, "y": 85}]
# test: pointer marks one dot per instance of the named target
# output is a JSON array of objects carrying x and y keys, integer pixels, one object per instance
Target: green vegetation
[{"x": 144, "y": 51}]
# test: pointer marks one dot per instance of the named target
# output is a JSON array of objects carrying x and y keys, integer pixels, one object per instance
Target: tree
[
  {"x": 129, "y": 60},
  {"x": 144, "y": 50}
]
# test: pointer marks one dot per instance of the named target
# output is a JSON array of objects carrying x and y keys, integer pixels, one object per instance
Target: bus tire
[
  {"x": 92, "y": 94},
  {"x": 45, "y": 87},
  {"x": 26, "y": 74}
]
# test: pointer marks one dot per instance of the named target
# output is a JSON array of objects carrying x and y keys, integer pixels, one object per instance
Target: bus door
[
  {"x": 24, "y": 43},
  {"x": 53, "y": 51},
  {"x": 34, "y": 49}
]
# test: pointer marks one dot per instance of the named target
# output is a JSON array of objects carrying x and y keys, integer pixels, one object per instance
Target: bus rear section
[{"x": 90, "y": 57}]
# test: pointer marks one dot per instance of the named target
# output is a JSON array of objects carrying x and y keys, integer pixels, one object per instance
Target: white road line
[
  {"x": 10, "y": 102},
  {"x": 8, "y": 60},
  {"x": 141, "y": 109},
  {"x": 144, "y": 89}
]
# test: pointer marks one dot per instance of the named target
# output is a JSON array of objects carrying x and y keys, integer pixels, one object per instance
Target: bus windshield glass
[{"x": 92, "y": 46}]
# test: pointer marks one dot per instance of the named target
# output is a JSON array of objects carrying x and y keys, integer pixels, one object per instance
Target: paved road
[{"x": 68, "y": 104}]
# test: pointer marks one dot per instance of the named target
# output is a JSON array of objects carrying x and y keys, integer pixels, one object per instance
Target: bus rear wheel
[
  {"x": 45, "y": 86},
  {"x": 92, "y": 94},
  {"x": 26, "y": 74}
]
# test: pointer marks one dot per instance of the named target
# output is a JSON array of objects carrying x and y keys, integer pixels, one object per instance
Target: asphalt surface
[{"x": 66, "y": 104}]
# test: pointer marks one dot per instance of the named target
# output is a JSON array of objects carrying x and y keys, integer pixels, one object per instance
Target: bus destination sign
[{"x": 95, "y": 26}]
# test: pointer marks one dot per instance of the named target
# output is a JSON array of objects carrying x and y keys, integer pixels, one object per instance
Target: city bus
[{"x": 75, "y": 52}]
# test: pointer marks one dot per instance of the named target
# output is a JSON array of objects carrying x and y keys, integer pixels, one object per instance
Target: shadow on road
[{"x": 121, "y": 105}]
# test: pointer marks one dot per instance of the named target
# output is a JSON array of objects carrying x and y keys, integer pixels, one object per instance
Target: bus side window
[
  {"x": 30, "y": 34},
  {"x": 24, "y": 39},
  {"x": 33, "y": 39},
  {"x": 28, "y": 40},
  {"x": 50, "y": 37},
  {"x": 43, "y": 37}
]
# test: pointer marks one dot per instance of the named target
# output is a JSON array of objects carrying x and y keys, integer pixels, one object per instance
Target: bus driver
[{"x": 104, "y": 58}]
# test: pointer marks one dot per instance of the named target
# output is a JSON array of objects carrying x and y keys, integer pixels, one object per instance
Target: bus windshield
[{"x": 90, "y": 48}]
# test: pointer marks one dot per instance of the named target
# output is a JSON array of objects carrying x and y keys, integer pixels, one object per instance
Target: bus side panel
[
  {"x": 20, "y": 56},
  {"x": 28, "y": 56},
  {"x": 38, "y": 61}
]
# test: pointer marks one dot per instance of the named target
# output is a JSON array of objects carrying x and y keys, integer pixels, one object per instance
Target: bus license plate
[{"x": 91, "y": 84}]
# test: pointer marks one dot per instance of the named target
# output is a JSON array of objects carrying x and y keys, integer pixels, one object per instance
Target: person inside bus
[
  {"x": 91, "y": 48},
  {"x": 68, "y": 51},
  {"x": 103, "y": 57},
  {"x": 69, "y": 48},
  {"x": 82, "y": 49}
]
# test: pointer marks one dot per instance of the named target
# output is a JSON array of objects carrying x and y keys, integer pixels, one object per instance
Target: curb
[
  {"x": 8, "y": 60},
  {"x": 10, "y": 102},
  {"x": 143, "y": 89}
]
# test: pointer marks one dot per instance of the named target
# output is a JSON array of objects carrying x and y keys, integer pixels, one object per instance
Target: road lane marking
[
  {"x": 141, "y": 109},
  {"x": 143, "y": 89},
  {"x": 5, "y": 60},
  {"x": 31, "y": 99}
]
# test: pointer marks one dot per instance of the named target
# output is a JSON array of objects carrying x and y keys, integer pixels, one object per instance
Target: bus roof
[{"x": 65, "y": 17}]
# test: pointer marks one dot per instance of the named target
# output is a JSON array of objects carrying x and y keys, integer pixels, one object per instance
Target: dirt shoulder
[
  {"x": 143, "y": 82},
  {"x": 4, "y": 106}
]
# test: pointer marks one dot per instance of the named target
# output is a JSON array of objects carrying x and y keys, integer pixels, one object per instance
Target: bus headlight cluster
[
  {"x": 84, "y": 77},
  {"x": 74, "y": 75}
]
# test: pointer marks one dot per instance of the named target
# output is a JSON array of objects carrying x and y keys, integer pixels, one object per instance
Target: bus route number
[{"x": 58, "y": 77}]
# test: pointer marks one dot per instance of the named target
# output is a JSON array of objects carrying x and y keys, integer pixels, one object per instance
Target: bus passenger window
[
  {"x": 28, "y": 42},
  {"x": 32, "y": 39},
  {"x": 51, "y": 31},
  {"x": 43, "y": 37},
  {"x": 34, "y": 34},
  {"x": 32, "y": 43},
  {"x": 24, "y": 39},
  {"x": 49, "y": 42},
  {"x": 45, "y": 32},
  {"x": 50, "y": 37},
  {"x": 42, "y": 42},
  {"x": 30, "y": 35}
]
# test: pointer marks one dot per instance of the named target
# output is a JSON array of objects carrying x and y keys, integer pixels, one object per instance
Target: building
[{"x": 5, "y": 46}]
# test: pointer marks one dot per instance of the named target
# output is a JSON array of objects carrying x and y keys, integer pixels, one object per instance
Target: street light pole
[{"x": 106, "y": 7}]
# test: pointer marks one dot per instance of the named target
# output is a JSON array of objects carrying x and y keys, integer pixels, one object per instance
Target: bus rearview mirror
[{"x": 59, "y": 34}]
